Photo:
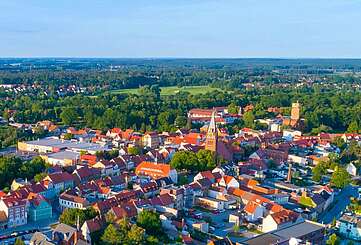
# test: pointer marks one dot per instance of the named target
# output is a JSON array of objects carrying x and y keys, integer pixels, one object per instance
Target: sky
[{"x": 181, "y": 28}]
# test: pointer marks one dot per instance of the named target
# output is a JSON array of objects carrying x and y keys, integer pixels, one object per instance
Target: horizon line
[{"x": 175, "y": 58}]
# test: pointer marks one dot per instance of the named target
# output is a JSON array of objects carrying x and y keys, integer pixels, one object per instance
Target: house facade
[
  {"x": 350, "y": 227},
  {"x": 15, "y": 211},
  {"x": 39, "y": 209}
]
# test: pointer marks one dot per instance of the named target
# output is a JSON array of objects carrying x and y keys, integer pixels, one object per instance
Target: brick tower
[{"x": 295, "y": 111}]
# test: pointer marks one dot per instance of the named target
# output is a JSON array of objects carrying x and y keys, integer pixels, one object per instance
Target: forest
[{"x": 331, "y": 101}]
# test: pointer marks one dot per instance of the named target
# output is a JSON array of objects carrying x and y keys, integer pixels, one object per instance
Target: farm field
[{"x": 170, "y": 90}]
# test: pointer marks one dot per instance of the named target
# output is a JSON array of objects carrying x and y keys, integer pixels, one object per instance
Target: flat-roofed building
[
  {"x": 306, "y": 231},
  {"x": 51, "y": 145},
  {"x": 63, "y": 158}
]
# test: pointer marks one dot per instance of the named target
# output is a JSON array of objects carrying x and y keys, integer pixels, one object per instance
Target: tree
[
  {"x": 180, "y": 121},
  {"x": 248, "y": 119},
  {"x": 188, "y": 160},
  {"x": 19, "y": 241},
  {"x": 70, "y": 215},
  {"x": 152, "y": 240},
  {"x": 235, "y": 228},
  {"x": 334, "y": 222},
  {"x": 340, "y": 143},
  {"x": 68, "y": 136},
  {"x": 111, "y": 235},
  {"x": 184, "y": 160},
  {"x": 340, "y": 178},
  {"x": 318, "y": 171},
  {"x": 112, "y": 154},
  {"x": 165, "y": 120},
  {"x": 353, "y": 127},
  {"x": 233, "y": 108},
  {"x": 133, "y": 150},
  {"x": 39, "y": 177},
  {"x": 136, "y": 235},
  {"x": 206, "y": 160},
  {"x": 333, "y": 240},
  {"x": 69, "y": 116},
  {"x": 150, "y": 221},
  {"x": 12, "y": 168}
]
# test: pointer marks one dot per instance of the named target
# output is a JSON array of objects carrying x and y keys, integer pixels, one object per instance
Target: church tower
[
  {"x": 295, "y": 111},
  {"x": 212, "y": 135}
]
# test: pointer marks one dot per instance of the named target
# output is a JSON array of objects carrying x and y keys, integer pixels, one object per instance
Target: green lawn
[{"x": 171, "y": 90}]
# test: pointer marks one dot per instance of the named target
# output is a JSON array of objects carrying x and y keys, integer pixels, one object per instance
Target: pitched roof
[
  {"x": 60, "y": 177},
  {"x": 3, "y": 217},
  {"x": 95, "y": 224},
  {"x": 153, "y": 169},
  {"x": 106, "y": 205},
  {"x": 124, "y": 210},
  {"x": 284, "y": 216},
  {"x": 69, "y": 196},
  {"x": 13, "y": 202},
  {"x": 251, "y": 207},
  {"x": 208, "y": 174},
  {"x": 36, "y": 200},
  {"x": 86, "y": 172},
  {"x": 162, "y": 200}
]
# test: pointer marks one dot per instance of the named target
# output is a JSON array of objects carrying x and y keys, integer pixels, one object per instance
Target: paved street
[
  {"x": 8, "y": 151},
  {"x": 339, "y": 204},
  {"x": 30, "y": 226}
]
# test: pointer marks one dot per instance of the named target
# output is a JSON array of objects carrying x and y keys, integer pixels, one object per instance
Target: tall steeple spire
[{"x": 212, "y": 134}]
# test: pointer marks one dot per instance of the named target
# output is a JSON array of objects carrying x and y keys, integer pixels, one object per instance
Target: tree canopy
[{"x": 188, "y": 160}]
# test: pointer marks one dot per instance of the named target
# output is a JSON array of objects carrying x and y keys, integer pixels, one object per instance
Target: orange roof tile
[
  {"x": 251, "y": 207},
  {"x": 152, "y": 169}
]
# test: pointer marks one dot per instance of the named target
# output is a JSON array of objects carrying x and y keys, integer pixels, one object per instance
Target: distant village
[{"x": 260, "y": 191}]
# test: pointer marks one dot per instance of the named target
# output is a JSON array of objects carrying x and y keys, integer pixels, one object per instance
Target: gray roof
[
  {"x": 40, "y": 239},
  {"x": 67, "y": 144},
  {"x": 64, "y": 228},
  {"x": 282, "y": 235},
  {"x": 264, "y": 239},
  {"x": 299, "y": 229},
  {"x": 65, "y": 155}
]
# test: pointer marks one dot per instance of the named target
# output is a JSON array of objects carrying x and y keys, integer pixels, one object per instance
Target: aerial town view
[{"x": 180, "y": 122}]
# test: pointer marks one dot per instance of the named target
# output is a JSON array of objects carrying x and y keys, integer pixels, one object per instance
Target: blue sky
[{"x": 180, "y": 28}]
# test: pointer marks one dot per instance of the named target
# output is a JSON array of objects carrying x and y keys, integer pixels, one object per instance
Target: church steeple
[{"x": 212, "y": 134}]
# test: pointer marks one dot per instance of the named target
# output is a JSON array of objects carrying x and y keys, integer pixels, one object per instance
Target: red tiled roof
[
  {"x": 125, "y": 210},
  {"x": 207, "y": 174},
  {"x": 2, "y": 194},
  {"x": 284, "y": 216},
  {"x": 251, "y": 207},
  {"x": 155, "y": 170},
  {"x": 73, "y": 198},
  {"x": 162, "y": 200},
  {"x": 60, "y": 177},
  {"x": 14, "y": 202},
  {"x": 95, "y": 224}
]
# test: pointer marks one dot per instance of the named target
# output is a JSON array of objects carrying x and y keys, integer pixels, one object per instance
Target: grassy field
[{"x": 171, "y": 90}]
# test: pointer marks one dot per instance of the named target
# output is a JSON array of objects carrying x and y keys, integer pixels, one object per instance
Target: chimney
[{"x": 289, "y": 175}]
